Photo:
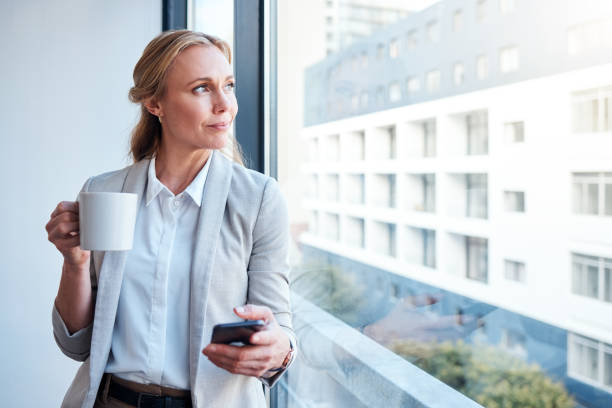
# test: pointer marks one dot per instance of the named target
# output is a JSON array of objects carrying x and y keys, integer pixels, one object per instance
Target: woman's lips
[{"x": 220, "y": 126}]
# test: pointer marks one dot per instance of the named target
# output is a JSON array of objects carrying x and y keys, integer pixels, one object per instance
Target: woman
[{"x": 210, "y": 243}]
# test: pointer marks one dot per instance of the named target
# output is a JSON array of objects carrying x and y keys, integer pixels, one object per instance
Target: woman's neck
[{"x": 177, "y": 170}]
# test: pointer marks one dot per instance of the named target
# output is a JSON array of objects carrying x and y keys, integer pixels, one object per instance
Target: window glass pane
[
  {"x": 608, "y": 199},
  {"x": 435, "y": 105},
  {"x": 608, "y": 368},
  {"x": 608, "y": 280}
]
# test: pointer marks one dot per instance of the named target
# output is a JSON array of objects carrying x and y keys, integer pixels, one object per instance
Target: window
[
  {"x": 429, "y": 138},
  {"x": 482, "y": 67},
  {"x": 477, "y": 131},
  {"x": 355, "y": 232},
  {"x": 433, "y": 81},
  {"x": 513, "y": 342},
  {"x": 507, "y": 6},
  {"x": 589, "y": 359},
  {"x": 514, "y": 201},
  {"x": 380, "y": 95},
  {"x": 429, "y": 192},
  {"x": 421, "y": 246},
  {"x": 592, "y": 193},
  {"x": 458, "y": 73},
  {"x": 592, "y": 110},
  {"x": 477, "y": 259},
  {"x": 355, "y": 189},
  {"x": 313, "y": 187},
  {"x": 411, "y": 40},
  {"x": 592, "y": 277},
  {"x": 433, "y": 32},
  {"x": 393, "y": 48},
  {"x": 589, "y": 37},
  {"x": 508, "y": 59},
  {"x": 395, "y": 92},
  {"x": 457, "y": 21},
  {"x": 481, "y": 10},
  {"x": 476, "y": 195},
  {"x": 380, "y": 51},
  {"x": 331, "y": 226},
  {"x": 382, "y": 238},
  {"x": 364, "y": 59},
  {"x": 355, "y": 102},
  {"x": 363, "y": 99},
  {"x": 313, "y": 149},
  {"x": 413, "y": 84},
  {"x": 514, "y": 271},
  {"x": 514, "y": 132}
]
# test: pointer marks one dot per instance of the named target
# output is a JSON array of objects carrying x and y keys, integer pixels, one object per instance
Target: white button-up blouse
[{"x": 150, "y": 341}]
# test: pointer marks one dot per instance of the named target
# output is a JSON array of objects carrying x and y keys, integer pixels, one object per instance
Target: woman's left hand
[{"x": 267, "y": 350}]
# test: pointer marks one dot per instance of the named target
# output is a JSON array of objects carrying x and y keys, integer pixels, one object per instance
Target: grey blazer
[{"x": 241, "y": 256}]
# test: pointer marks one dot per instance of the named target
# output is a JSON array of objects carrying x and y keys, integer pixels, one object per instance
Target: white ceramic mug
[{"x": 107, "y": 220}]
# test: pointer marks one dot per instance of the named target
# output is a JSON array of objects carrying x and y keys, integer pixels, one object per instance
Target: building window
[
  {"x": 380, "y": 51},
  {"x": 589, "y": 359},
  {"x": 433, "y": 81},
  {"x": 380, "y": 95},
  {"x": 514, "y": 201},
  {"x": 589, "y": 37},
  {"x": 313, "y": 187},
  {"x": 355, "y": 189},
  {"x": 476, "y": 195},
  {"x": 513, "y": 342},
  {"x": 482, "y": 67},
  {"x": 331, "y": 226},
  {"x": 421, "y": 246},
  {"x": 507, "y": 6},
  {"x": 329, "y": 20},
  {"x": 313, "y": 222},
  {"x": 413, "y": 84},
  {"x": 481, "y": 11},
  {"x": 395, "y": 92},
  {"x": 382, "y": 238},
  {"x": 508, "y": 59},
  {"x": 592, "y": 193},
  {"x": 476, "y": 258},
  {"x": 514, "y": 271},
  {"x": 457, "y": 21},
  {"x": 477, "y": 126},
  {"x": 355, "y": 232},
  {"x": 393, "y": 48},
  {"x": 364, "y": 60},
  {"x": 429, "y": 138},
  {"x": 411, "y": 40},
  {"x": 592, "y": 110},
  {"x": 313, "y": 149},
  {"x": 355, "y": 102},
  {"x": 363, "y": 99},
  {"x": 433, "y": 32},
  {"x": 514, "y": 132},
  {"x": 592, "y": 277},
  {"x": 458, "y": 73}
]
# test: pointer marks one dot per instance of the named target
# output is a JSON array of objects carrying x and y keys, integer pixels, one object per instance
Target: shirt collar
[{"x": 194, "y": 190}]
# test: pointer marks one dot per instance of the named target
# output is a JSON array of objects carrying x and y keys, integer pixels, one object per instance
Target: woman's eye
[
  {"x": 201, "y": 88},
  {"x": 230, "y": 86}
]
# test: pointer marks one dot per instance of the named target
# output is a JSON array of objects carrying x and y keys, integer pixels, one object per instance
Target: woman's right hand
[{"x": 63, "y": 232}]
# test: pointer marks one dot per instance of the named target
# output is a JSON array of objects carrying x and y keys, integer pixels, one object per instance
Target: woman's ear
[{"x": 153, "y": 106}]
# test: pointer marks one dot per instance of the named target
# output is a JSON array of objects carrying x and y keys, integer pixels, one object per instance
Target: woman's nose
[{"x": 221, "y": 103}]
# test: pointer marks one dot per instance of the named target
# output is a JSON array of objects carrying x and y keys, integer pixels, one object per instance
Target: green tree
[{"x": 491, "y": 377}]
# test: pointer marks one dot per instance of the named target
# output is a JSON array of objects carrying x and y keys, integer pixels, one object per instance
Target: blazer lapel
[
  {"x": 212, "y": 210},
  {"x": 109, "y": 287}
]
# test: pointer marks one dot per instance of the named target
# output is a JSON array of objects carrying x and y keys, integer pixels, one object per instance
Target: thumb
[{"x": 253, "y": 312}]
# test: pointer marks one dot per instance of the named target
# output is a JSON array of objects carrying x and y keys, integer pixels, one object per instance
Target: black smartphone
[{"x": 239, "y": 332}]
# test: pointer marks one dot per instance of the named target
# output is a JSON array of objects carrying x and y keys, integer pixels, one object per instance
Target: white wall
[{"x": 64, "y": 116}]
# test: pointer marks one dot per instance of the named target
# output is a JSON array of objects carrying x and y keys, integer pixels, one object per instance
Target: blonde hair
[{"x": 150, "y": 81}]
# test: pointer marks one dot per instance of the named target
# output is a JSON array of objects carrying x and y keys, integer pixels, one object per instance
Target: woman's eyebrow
[{"x": 208, "y": 79}]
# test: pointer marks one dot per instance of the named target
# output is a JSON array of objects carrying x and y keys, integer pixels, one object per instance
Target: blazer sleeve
[
  {"x": 268, "y": 268},
  {"x": 78, "y": 344}
]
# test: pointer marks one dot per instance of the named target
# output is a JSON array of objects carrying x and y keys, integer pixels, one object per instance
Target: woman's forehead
[{"x": 200, "y": 61}]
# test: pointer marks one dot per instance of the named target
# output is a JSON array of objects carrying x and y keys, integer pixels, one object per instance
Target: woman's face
[{"x": 199, "y": 104}]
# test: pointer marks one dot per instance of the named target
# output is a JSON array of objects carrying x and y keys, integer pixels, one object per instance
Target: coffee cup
[{"x": 107, "y": 220}]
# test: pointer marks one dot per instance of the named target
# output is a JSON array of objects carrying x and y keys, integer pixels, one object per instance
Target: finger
[
  {"x": 239, "y": 364},
  {"x": 236, "y": 353},
  {"x": 265, "y": 337},
  {"x": 71, "y": 206},
  {"x": 63, "y": 231},
  {"x": 255, "y": 312},
  {"x": 68, "y": 242},
  {"x": 61, "y": 218},
  {"x": 242, "y": 371}
]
